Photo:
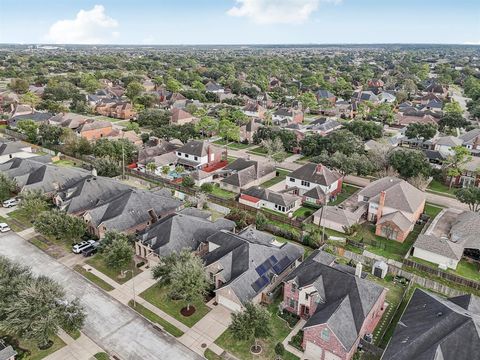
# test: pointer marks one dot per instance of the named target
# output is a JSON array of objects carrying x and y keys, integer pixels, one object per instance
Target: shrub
[
  {"x": 207, "y": 187},
  {"x": 279, "y": 349},
  {"x": 140, "y": 264}
]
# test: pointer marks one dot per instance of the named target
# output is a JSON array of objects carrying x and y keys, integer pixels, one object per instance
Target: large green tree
[
  {"x": 33, "y": 203},
  {"x": 118, "y": 254},
  {"x": 419, "y": 130},
  {"x": 7, "y": 187},
  {"x": 409, "y": 163},
  {"x": 469, "y": 196},
  {"x": 455, "y": 163}
]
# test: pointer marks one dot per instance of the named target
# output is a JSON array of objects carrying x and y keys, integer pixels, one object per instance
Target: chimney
[
  {"x": 318, "y": 168},
  {"x": 381, "y": 204},
  {"x": 358, "y": 270}
]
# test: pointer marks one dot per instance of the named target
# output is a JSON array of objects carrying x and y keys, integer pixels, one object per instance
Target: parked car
[
  {"x": 77, "y": 248},
  {"x": 89, "y": 250},
  {"x": 10, "y": 203},
  {"x": 4, "y": 227}
]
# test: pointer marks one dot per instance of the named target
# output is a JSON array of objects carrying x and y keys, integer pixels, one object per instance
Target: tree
[
  {"x": 228, "y": 130},
  {"x": 454, "y": 163},
  {"x": 33, "y": 203},
  {"x": 29, "y": 128},
  {"x": 36, "y": 307},
  {"x": 7, "y": 187},
  {"x": 89, "y": 82},
  {"x": 50, "y": 134},
  {"x": 344, "y": 141},
  {"x": 188, "y": 280},
  {"x": 308, "y": 100},
  {"x": 60, "y": 225},
  {"x": 367, "y": 130},
  {"x": 163, "y": 271},
  {"x": 134, "y": 89},
  {"x": 452, "y": 121},
  {"x": 107, "y": 167},
  {"x": 469, "y": 196},
  {"x": 31, "y": 99},
  {"x": 188, "y": 182},
  {"x": 275, "y": 150},
  {"x": 173, "y": 85},
  {"x": 207, "y": 125},
  {"x": 251, "y": 324},
  {"x": 119, "y": 253},
  {"x": 409, "y": 163},
  {"x": 18, "y": 85},
  {"x": 419, "y": 130},
  {"x": 151, "y": 166}
]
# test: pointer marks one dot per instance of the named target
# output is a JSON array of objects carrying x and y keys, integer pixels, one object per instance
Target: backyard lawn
[
  {"x": 304, "y": 212},
  {"x": 347, "y": 191},
  {"x": 158, "y": 296},
  {"x": 241, "y": 348},
  {"x": 281, "y": 176},
  {"x": 432, "y": 210},
  {"x": 233, "y": 145},
  {"x": 259, "y": 150},
  {"x": 65, "y": 163},
  {"x": 97, "y": 262},
  {"x": 224, "y": 194}
]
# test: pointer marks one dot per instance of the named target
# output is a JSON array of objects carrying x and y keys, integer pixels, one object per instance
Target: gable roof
[
  {"x": 197, "y": 148},
  {"x": 397, "y": 217},
  {"x": 399, "y": 195},
  {"x": 439, "y": 245},
  {"x": 434, "y": 328},
  {"x": 470, "y": 136},
  {"x": 244, "y": 171},
  {"x": 258, "y": 192},
  {"x": 345, "y": 300},
  {"x": 316, "y": 173}
]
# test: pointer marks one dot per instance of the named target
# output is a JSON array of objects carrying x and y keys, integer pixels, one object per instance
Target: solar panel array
[{"x": 267, "y": 269}]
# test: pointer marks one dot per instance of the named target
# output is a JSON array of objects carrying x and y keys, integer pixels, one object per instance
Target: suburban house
[
  {"x": 39, "y": 117},
  {"x": 323, "y": 126},
  {"x": 178, "y": 231},
  {"x": 33, "y": 174},
  {"x": 213, "y": 87},
  {"x": 285, "y": 116},
  {"x": 325, "y": 96},
  {"x": 470, "y": 175},
  {"x": 94, "y": 129},
  {"x": 115, "y": 108},
  {"x": 155, "y": 147},
  {"x": 14, "y": 149},
  {"x": 243, "y": 173},
  {"x": 181, "y": 117},
  {"x": 68, "y": 120},
  {"x": 255, "y": 110},
  {"x": 471, "y": 140},
  {"x": 394, "y": 206},
  {"x": 245, "y": 267},
  {"x": 198, "y": 154},
  {"x": 452, "y": 235},
  {"x": 315, "y": 182},
  {"x": 249, "y": 129},
  {"x": 432, "y": 327},
  {"x": 405, "y": 120},
  {"x": 6, "y": 351},
  {"x": 339, "y": 306},
  {"x": 86, "y": 193},
  {"x": 259, "y": 197},
  {"x": 129, "y": 211}
]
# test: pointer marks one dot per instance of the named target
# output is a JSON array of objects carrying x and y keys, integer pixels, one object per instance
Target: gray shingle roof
[
  {"x": 282, "y": 199},
  {"x": 6, "y": 352},
  {"x": 465, "y": 231},
  {"x": 434, "y": 328},
  {"x": 439, "y": 246},
  {"x": 398, "y": 219},
  {"x": 197, "y": 148},
  {"x": 470, "y": 136},
  {"x": 244, "y": 171},
  {"x": 345, "y": 300},
  {"x": 316, "y": 173},
  {"x": 241, "y": 256}
]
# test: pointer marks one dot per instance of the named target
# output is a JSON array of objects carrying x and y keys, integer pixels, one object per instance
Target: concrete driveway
[{"x": 113, "y": 326}]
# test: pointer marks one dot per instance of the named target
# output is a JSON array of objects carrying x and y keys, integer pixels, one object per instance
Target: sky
[{"x": 167, "y": 22}]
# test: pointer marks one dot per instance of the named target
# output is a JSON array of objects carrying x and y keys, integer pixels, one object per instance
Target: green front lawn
[
  {"x": 31, "y": 350},
  {"x": 93, "y": 278},
  {"x": 20, "y": 219},
  {"x": 224, "y": 194},
  {"x": 158, "y": 296},
  {"x": 232, "y": 145},
  {"x": 210, "y": 355},
  {"x": 281, "y": 176},
  {"x": 142, "y": 310},
  {"x": 304, "y": 211},
  {"x": 259, "y": 150},
  {"x": 101, "y": 356},
  {"x": 241, "y": 348},
  {"x": 14, "y": 225},
  {"x": 440, "y": 187},
  {"x": 98, "y": 263},
  {"x": 347, "y": 191}
]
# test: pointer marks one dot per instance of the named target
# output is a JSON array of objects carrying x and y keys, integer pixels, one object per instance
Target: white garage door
[
  {"x": 313, "y": 351},
  {"x": 229, "y": 304}
]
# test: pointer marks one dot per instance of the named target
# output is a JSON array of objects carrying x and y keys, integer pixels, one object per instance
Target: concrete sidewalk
[
  {"x": 80, "y": 349},
  {"x": 294, "y": 331}
]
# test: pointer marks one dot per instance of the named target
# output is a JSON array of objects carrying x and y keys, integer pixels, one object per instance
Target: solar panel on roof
[
  {"x": 281, "y": 265},
  {"x": 260, "y": 283},
  {"x": 262, "y": 269}
]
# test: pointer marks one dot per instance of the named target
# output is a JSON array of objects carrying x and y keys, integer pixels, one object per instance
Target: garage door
[
  {"x": 313, "y": 351},
  {"x": 229, "y": 304}
]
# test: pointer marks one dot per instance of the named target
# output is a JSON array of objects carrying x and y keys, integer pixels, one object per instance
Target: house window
[
  {"x": 179, "y": 153},
  {"x": 305, "y": 183},
  {"x": 306, "y": 310},
  {"x": 325, "y": 334},
  {"x": 294, "y": 287},
  {"x": 292, "y": 303},
  {"x": 195, "y": 157},
  {"x": 186, "y": 155},
  {"x": 292, "y": 179}
]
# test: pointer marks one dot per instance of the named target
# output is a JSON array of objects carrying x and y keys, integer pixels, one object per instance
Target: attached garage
[
  {"x": 313, "y": 351},
  {"x": 229, "y": 304}
]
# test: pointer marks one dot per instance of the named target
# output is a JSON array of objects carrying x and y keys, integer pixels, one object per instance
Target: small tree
[
  {"x": 163, "y": 271},
  {"x": 33, "y": 203},
  {"x": 275, "y": 150},
  {"x": 187, "y": 181},
  {"x": 469, "y": 196},
  {"x": 7, "y": 187},
  {"x": 151, "y": 166},
  {"x": 29, "y": 128},
  {"x": 252, "y": 324},
  {"x": 207, "y": 187},
  {"x": 454, "y": 164},
  {"x": 165, "y": 170},
  {"x": 119, "y": 253},
  {"x": 107, "y": 167},
  {"x": 31, "y": 99}
]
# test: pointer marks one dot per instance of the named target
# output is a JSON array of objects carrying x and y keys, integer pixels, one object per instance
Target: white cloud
[
  {"x": 277, "y": 11},
  {"x": 472, "y": 43},
  {"x": 89, "y": 27}
]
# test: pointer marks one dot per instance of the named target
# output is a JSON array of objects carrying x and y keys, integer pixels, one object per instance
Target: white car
[
  {"x": 10, "y": 203},
  {"x": 4, "y": 227},
  {"x": 77, "y": 248}
]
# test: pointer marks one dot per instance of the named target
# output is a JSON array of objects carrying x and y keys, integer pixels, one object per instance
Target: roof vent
[{"x": 439, "y": 314}]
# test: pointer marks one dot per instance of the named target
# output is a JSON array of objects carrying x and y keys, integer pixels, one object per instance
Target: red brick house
[
  {"x": 339, "y": 305},
  {"x": 201, "y": 155},
  {"x": 116, "y": 109},
  {"x": 181, "y": 117},
  {"x": 94, "y": 129}
]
